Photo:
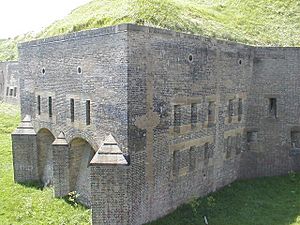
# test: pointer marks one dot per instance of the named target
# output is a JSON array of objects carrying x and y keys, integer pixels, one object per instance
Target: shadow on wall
[
  {"x": 45, "y": 156},
  {"x": 81, "y": 153}
]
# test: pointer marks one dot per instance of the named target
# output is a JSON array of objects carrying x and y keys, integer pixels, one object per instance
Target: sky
[{"x": 21, "y": 16}]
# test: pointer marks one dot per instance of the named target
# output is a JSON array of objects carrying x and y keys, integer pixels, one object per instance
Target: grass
[
  {"x": 264, "y": 201},
  {"x": 28, "y": 204},
  {"x": 257, "y": 22}
]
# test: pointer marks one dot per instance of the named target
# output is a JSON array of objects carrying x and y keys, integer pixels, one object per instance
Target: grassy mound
[{"x": 259, "y": 22}]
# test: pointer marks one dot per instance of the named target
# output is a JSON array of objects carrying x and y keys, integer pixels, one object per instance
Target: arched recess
[
  {"x": 81, "y": 153},
  {"x": 45, "y": 156}
]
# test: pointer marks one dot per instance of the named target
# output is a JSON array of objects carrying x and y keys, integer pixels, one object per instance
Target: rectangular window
[
  {"x": 88, "y": 112},
  {"x": 72, "y": 109},
  {"x": 240, "y": 109},
  {"x": 206, "y": 151},
  {"x": 295, "y": 139},
  {"x": 11, "y": 92},
  {"x": 39, "y": 104},
  {"x": 211, "y": 113},
  {"x": 50, "y": 106},
  {"x": 7, "y": 91},
  {"x": 193, "y": 114},
  {"x": 192, "y": 158},
  {"x": 273, "y": 107},
  {"x": 177, "y": 118},
  {"x": 15, "y": 92},
  {"x": 176, "y": 162},
  {"x": 230, "y": 111}
]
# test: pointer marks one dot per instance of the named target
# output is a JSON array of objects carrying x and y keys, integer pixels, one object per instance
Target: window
[
  {"x": 211, "y": 113},
  {"x": 50, "y": 106},
  {"x": 43, "y": 71},
  {"x": 39, "y": 104},
  {"x": 206, "y": 151},
  {"x": 193, "y": 114},
  {"x": 176, "y": 162},
  {"x": 295, "y": 139},
  {"x": 15, "y": 92},
  {"x": 252, "y": 136},
  {"x": 240, "y": 109},
  {"x": 230, "y": 111},
  {"x": 273, "y": 107},
  {"x": 88, "y": 112},
  {"x": 177, "y": 116},
  {"x": 7, "y": 91},
  {"x": 72, "y": 109},
  {"x": 192, "y": 158},
  {"x": 79, "y": 70},
  {"x": 11, "y": 92}
]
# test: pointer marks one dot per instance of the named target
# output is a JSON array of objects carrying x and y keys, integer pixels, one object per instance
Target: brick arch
[
  {"x": 45, "y": 139},
  {"x": 70, "y": 136},
  {"x": 81, "y": 153}
]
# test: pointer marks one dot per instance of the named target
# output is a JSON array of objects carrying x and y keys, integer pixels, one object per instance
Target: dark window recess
[
  {"x": 79, "y": 70},
  {"x": 39, "y": 104},
  {"x": 190, "y": 58},
  {"x": 228, "y": 147},
  {"x": 211, "y": 113},
  {"x": 206, "y": 151},
  {"x": 88, "y": 112},
  {"x": 230, "y": 111},
  {"x": 295, "y": 139},
  {"x": 50, "y": 106},
  {"x": 192, "y": 158},
  {"x": 252, "y": 136},
  {"x": 15, "y": 92},
  {"x": 43, "y": 71},
  {"x": 7, "y": 91},
  {"x": 176, "y": 162},
  {"x": 72, "y": 109},
  {"x": 193, "y": 114},
  {"x": 240, "y": 109},
  {"x": 177, "y": 117},
  {"x": 11, "y": 92},
  {"x": 238, "y": 143},
  {"x": 273, "y": 107}
]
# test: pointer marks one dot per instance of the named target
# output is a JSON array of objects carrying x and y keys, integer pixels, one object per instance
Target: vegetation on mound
[
  {"x": 259, "y": 22},
  {"x": 264, "y": 201}
]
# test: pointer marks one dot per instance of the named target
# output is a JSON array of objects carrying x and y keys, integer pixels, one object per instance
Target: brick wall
[{"x": 193, "y": 113}]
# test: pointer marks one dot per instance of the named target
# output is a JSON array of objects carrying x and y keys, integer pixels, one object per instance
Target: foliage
[
  {"x": 259, "y": 22},
  {"x": 27, "y": 203}
]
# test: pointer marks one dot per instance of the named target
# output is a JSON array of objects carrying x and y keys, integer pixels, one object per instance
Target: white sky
[{"x": 21, "y": 16}]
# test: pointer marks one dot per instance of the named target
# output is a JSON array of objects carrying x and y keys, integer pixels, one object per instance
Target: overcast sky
[{"x": 20, "y": 16}]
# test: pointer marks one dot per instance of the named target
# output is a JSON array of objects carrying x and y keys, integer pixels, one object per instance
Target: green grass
[
  {"x": 256, "y": 22},
  {"x": 264, "y": 201},
  {"x": 28, "y": 204}
]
